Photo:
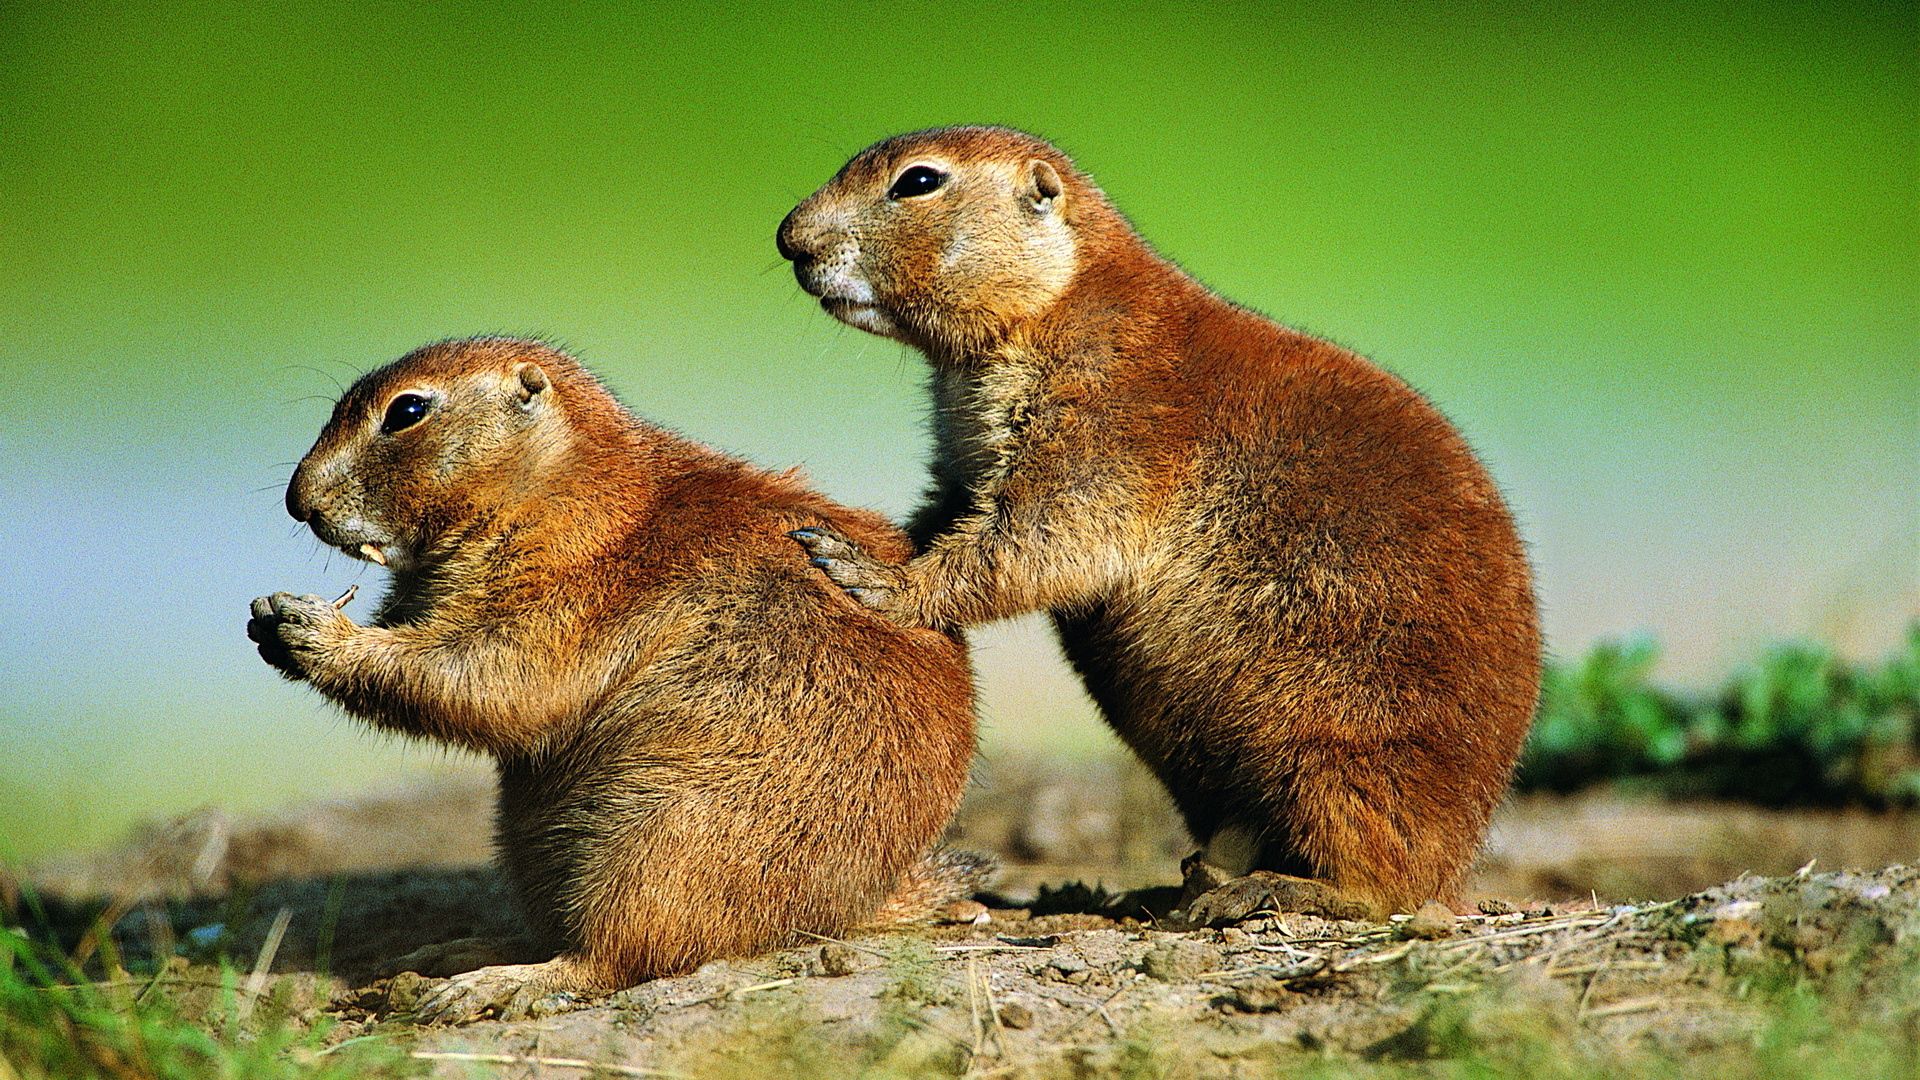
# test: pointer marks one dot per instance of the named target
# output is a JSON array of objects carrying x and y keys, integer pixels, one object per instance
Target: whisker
[
  {"x": 823, "y": 135},
  {"x": 322, "y": 372}
]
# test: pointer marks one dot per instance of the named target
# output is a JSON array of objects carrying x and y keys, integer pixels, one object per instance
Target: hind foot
[
  {"x": 510, "y": 992},
  {"x": 444, "y": 958},
  {"x": 1213, "y": 899}
]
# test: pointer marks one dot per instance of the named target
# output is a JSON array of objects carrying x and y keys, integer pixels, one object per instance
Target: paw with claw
[
  {"x": 508, "y": 992},
  {"x": 1214, "y": 899},
  {"x": 295, "y": 632},
  {"x": 874, "y": 584},
  {"x": 445, "y": 958}
]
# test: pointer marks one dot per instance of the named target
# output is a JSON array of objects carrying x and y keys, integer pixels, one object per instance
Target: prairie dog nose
[
  {"x": 795, "y": 240},
  {"x": 299, "y": 505}
]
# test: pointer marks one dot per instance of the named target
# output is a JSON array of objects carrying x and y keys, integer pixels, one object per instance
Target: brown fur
[
  {"x": 702, "y": 752},
  {"x": 1285, "y": 578}
]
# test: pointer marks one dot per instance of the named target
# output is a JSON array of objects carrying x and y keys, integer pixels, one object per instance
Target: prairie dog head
[
  {"x": 431, "y": 442},
  {"x": 943, "y": 238}
]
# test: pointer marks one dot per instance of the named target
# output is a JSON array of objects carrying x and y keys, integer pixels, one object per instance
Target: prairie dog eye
[
  {"x": 917, "y": 181},
  {"x": 404, "y": 412}
]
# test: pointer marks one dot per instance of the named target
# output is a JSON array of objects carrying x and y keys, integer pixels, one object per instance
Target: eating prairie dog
[{"x": 702, "y": 752}]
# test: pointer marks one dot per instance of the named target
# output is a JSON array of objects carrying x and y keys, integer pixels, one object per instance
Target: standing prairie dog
[
  {"x": 1284, "y": 577},
  {"x": 702, "y": 752}
]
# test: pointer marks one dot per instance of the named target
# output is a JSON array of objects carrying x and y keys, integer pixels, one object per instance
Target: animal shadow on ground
[{"x": 352, "y": 925}]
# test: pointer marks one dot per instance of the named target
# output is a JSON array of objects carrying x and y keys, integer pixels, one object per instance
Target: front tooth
[{"x": 373, "y": 553}]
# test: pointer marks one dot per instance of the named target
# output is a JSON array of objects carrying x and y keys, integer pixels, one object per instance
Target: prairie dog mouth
[
  {"x": 346, "y": 536},
  {"x": 869, "y": 317},
  {"x": 840, "y": 306}
]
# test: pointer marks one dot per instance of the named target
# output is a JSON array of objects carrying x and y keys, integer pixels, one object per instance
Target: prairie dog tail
[{"x": 943, "y": 876}]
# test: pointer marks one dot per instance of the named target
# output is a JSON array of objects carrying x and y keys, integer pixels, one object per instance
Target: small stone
[
  {"x": 1432, "y": 922},
  {"x": 1067, "y": 965},
  {"x": 204, "y": 937},
  {"x": 405, "y": 990},
  {"x": 1262, "y": 996},
  {"x": 1493, "y": 905},
  {"x": 837, "y": 959},
  {"x": 1066, "y": 969},
  {"x": 965, "y": 912},
  {"x": 1179, "y": 961},
  {"x": 553, "y": 1005},
  {"x": 1235, "y": 938},
  {"x": 1015, "y": 1015}
]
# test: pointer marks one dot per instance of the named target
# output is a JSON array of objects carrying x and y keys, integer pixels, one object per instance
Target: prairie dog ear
[
  {"x": 1043, "y": 186},
  {"x": 529, "y": 382}
]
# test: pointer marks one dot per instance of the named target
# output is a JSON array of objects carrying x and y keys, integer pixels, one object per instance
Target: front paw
[
  {"x": 872, "y": 583},
  {"x": 294, "y": 631}
]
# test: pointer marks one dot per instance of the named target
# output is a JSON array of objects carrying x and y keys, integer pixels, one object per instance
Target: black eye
[
  {"x": 919, "y": 180},
  {"x": 405, "y": 411}
]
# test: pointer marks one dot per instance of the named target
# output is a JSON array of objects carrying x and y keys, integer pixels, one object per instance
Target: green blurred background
[{"x": 1661, "y": 263}]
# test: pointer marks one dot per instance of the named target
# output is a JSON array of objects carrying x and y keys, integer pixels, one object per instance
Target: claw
[
  {"x": 820, "y": 542},
  {"x": 506, "y": 991},
  {"x": 439, "y": 1006},
  {"x": 1262, "y": 892}
]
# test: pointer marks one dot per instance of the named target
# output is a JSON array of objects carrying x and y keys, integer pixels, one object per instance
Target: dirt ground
[{"x": 1602, "y": 923}]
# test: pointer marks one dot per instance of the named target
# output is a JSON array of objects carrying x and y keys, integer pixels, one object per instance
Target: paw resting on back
[{"x": 872, "y": 583}]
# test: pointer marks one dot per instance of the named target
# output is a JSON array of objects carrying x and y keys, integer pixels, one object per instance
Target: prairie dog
[
  {"x": 1285, "y": 578},
  {"x": 702, "y": 752}
]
